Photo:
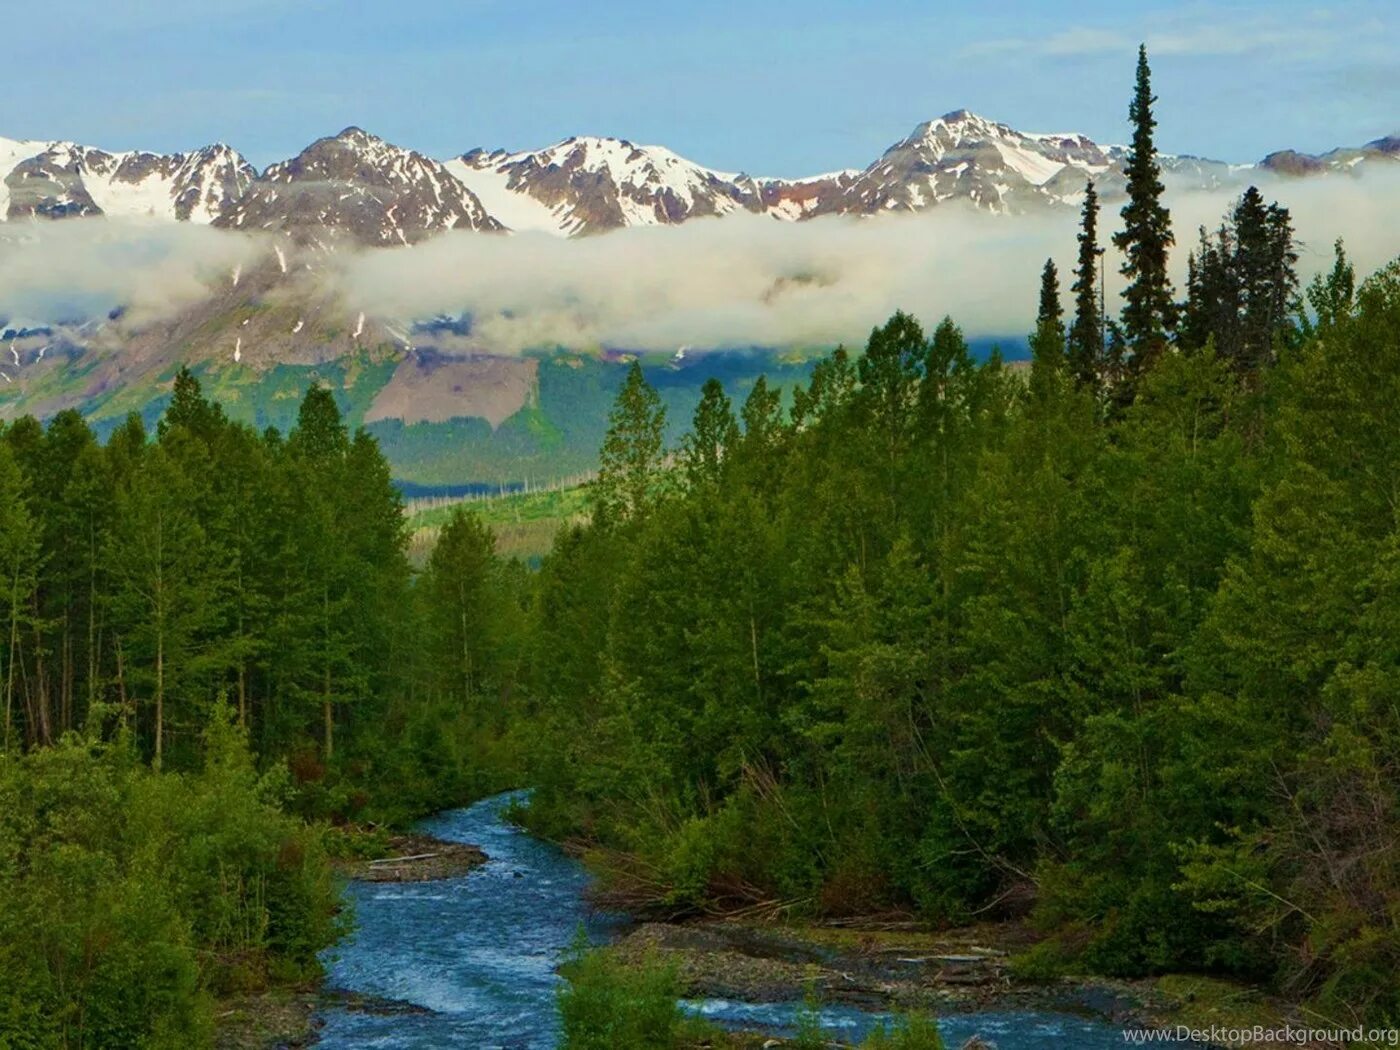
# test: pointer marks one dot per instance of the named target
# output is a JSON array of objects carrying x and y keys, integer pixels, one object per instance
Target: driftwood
[
  {"x": 405, "y": 860},
  {"x": 417, "y": 858}
]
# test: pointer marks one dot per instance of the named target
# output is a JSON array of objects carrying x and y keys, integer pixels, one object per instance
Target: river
[{"x": 473, "y": 959}]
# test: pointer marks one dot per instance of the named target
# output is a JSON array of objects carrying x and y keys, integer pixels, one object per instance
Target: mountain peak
[{"x": 358, "y": 184}]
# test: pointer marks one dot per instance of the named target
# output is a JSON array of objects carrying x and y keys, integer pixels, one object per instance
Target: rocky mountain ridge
[{"x": 358, "y": 186}]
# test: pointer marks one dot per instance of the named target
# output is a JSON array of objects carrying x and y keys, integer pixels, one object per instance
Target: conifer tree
[
  {"x": 630, "y": 460},
  {"x": 1331, "y": 297},
  {"x": 712, "y": 435},
  {"x": 319, "y": 445},
  {"x": 1050, "y": 313},
  {"x": 1086, "y": 331},
  {"x": 1242, "y": 286},
  {"x": 1048, "y": 340},
  {"x": 163, "y": 575},
  {"x": 19, "y": 565},
  {"x": 1149, "y": 312},
  {"x": 190, "y": 409},
  {"x": 463, "y": 599}
]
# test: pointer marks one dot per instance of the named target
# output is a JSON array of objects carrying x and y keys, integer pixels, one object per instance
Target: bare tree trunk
[
  {"x": 65, "y": 707},
  {"x": 160, "y": 697},
  {"x": 121, "y": 682},
  {"x": 10, "y": 666},
  {"x": 327, "y": 714},
  {"x": 44, "y": 718}
]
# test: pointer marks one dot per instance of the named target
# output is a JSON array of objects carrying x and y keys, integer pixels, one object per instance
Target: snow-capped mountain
[
  {"x": 360, "y": 185},
  {"x": 62, "y": 179},
  {"x": 587, "y": 185},
  {"x": 963, "y": 156},
  {"x": 1382, "y": 151}
]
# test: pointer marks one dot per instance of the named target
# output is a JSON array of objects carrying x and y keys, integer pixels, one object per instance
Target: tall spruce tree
[
  {"x": 19, "y": 568},
  {"x": 1050, "y": 314},
  {"x": 712, "y": 436},
  {"x": 1086, "y": 331},
  {"x": 1048, "y": 340},
  {"x": 630, "y": 460},
  {"x": 1148, "y": 312},
  {"x": 1242, "y": 288}
]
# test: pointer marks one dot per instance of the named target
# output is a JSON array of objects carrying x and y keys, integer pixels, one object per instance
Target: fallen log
[{"x": 405, "y": 860}]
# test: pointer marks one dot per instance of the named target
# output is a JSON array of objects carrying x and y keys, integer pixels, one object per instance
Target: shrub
[{"x": 609, "y": 1005}]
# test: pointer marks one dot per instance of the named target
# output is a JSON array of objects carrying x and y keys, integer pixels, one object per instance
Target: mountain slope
[
  {"x": 588, "y": 185},
  {"x": 1380, "y": 152},
  {"x": 963, "y": 156},
  {"x": 356, "y": 186},
  {"x": 362, "y": 186},
  {"x": 62, "y": 179}
]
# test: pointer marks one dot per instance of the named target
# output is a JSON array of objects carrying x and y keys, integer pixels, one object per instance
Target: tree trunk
[
  {"x": 42, "y": 713},
  {"x": 160, "y": 698},
  {"x": 327, "y": 714},
  {"x": 121, "y": 682},
  {"x": 10, "y": 664}
]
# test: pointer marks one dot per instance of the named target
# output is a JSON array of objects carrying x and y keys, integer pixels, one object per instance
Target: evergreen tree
[
  {"x": 1050, "y": 313},
  {"x": 1331, "y": 297},
  {"x": 465, "y": 608},
  {"x": 1047, "y": 342},
  {"x": 1264, "y": 271},
  {"x": 713, "y": 435},
  {"x": 189, "y": 408},
  {"x": 19, "y": 570},
  {"x": 630, "y": 461},
  {"x": 164, "y": 582},
  {"x": 1242, "y": 286},
  {"x": 320, "y": 447},
  {"x": 1086, "y": 348},
  {"x": 1149, "y": 312},
  {"x": 890, "y": 372}
]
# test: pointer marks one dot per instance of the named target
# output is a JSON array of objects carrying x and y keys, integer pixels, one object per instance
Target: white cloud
[
  {"x": 746, "y": 280},
  {"x": 739, "y": 281},
  {"x": 1205, "y": 32},
  {"x": 86, "y": 267}
]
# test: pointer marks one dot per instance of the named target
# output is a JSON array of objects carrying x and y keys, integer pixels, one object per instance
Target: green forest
[{"x": 1111, "y": 642}]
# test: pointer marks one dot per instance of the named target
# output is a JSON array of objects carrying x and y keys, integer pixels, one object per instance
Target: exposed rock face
[
  {"x": 587, "y": 185},
  {"x": 429, "y": 387},
  {"x": 1380, "y": 152},
  {"x": 65, "y": 181},
  {"x": 964, "y": 156},
  {"x": 49, "y": 186},
  {"x": 358, "y": 187},
  {"x": 361, "y": 186}
]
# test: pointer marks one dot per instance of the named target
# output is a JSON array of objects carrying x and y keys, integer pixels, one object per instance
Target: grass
[{"x": 524, "y": 523}]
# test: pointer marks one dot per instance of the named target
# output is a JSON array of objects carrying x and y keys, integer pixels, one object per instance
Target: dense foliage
[
  {"x": 127, "y": 896},
  {"x": 1112, "y": 642},
  {"x": 953, "y": 641},
  {"x": 609, "y": 1004},
  {"x": 207, "y": 635},
  {"x": 145, "y": 578}
]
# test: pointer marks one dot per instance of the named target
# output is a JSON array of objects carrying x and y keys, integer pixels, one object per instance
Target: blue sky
[{"x": 778, "y": 87}]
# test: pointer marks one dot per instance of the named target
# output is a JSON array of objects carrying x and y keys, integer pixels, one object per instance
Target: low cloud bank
[
  {"x": 77, "y": 269},
  {"x": 751, "y": 281},
  {"x": 741, "y": 281}
]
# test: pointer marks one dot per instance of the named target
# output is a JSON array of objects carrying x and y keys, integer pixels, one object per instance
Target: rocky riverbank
[
  {"x": 286, "y": 1019},
  {"x": 962, "y": 971},
  {"x": 414, "y": 858}
]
